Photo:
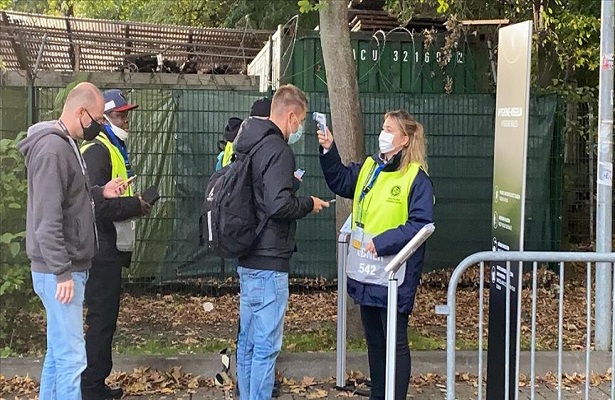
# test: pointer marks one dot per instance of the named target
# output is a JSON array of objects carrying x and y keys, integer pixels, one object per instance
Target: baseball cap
[
  {"x": 261, "y": 108},
  {"x": 116, "y": 101}
]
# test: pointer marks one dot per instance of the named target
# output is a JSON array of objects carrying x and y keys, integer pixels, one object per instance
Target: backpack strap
[{"x": 258, "y": 145}]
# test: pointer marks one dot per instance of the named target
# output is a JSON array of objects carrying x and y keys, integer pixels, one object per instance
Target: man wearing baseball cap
[{"x": 107, "y": 158}]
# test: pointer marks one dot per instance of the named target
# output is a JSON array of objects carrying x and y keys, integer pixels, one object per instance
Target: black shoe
[
  {"x": 94, "y": 396},
  {"x": 114, "y": 393}
]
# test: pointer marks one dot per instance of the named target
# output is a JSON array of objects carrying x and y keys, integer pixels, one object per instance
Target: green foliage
[
  {"x": 249, "y": 14},
  {"x": 566, "y": 42},
  {"x": 305, "y": 6},
  {"x": 266, "y": 15},
  {"x": 58, "y": 101},
  {"x": 31, "y": 6},
  {"x": 405, "y": 10},
  {"x": 16, "y": 293}
]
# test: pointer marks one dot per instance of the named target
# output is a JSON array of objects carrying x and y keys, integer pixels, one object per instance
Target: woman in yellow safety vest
[{"x": 392, "y": 200}]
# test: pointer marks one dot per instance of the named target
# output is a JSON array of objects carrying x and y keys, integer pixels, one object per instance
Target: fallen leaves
[
  {"x": 308, "y": 387},
  {"x": 144, "y": 380},
  {"x": 147, "y": 381},
  {"x": 18, "y": 385},
  {"x": 190, "y": 322}
]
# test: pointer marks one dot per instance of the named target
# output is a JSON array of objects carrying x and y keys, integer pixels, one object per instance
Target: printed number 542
[{"x": 367, "y": 269}]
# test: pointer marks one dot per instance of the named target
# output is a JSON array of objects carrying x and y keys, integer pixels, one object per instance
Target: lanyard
[
  {"x": 373, "y": 174},
  {"x": 73, "y": 145}
]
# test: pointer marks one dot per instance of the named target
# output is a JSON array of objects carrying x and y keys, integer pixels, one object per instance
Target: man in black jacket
[
  {"x": 106, "y": 158},
  {"x": 263, "y": 273}
]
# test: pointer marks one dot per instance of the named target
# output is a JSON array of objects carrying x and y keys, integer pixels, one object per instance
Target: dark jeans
[
  {"x": 102, "y": 298},
  {"x": 375, "y": 327}
]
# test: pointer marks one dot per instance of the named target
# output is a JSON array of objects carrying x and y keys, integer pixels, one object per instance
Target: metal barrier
[
  {"x": 392, "y": 268},
  {"x": 342, "y": 257},
  {"x": 519, "y": 257}
]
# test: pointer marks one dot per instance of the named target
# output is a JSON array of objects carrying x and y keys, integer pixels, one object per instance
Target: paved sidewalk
[{"x": 322, "y": 367}]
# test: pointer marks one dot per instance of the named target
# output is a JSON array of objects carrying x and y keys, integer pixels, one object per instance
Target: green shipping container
[{"x": 392, "y": 63}]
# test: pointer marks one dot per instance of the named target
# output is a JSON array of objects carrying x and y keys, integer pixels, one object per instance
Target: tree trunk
[{"x": 347, "y": 125}]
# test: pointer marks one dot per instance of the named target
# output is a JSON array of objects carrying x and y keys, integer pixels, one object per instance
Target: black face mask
[{"x": 92, "y": 130}]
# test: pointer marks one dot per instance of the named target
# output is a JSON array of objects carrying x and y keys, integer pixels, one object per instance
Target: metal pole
[
  {"x": 389, "y": 393},
  {"x": 392, "y": 267},
  {"x": 604, "y": 211},
  {"x": 342, "y": 254}
]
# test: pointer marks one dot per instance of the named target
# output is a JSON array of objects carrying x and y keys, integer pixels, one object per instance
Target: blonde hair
[
  {"x": 416, "y": 149},
  {"x": 288, "y": 96}
]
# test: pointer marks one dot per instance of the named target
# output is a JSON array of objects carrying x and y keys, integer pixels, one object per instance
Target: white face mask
[
  {"x": 117, "y": 131},
  {"x": 385, "y": 142}
]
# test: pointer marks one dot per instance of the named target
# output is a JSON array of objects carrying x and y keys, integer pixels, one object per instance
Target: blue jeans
[
  {"x": 65, "y": 359},
  {"x": 262, "y": 306}
]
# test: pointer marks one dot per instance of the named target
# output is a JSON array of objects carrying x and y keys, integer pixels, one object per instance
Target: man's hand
[
  {"x": 325, "y": 139},
  {"x": 65, "y": 291},
  {"x": 318, "y": 205},
  {"x": 114, "y": 188}
]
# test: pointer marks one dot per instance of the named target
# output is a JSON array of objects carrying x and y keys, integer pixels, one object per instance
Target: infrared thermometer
[{"x": 321, "y": 120}]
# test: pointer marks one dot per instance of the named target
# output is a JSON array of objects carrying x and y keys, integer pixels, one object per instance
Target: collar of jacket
[{"x": 391, "y": 165}]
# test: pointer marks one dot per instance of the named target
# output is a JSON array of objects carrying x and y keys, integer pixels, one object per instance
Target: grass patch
[
  {"x": 421, "y": 341},
  {"x": 165, "y": 347},
  {"x": 323, "y": 339}
]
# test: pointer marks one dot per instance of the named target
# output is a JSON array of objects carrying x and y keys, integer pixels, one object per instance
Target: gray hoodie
[{"x": 60, "y": 230}]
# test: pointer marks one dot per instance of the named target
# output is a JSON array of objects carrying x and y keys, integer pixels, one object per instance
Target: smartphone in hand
[
  {"x": 129, "y": 180},
  {"x": 151, "y": 195}
]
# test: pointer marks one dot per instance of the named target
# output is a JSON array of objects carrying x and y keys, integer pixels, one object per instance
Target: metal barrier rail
[
  {"x": 392, "y": 268},
  {"x": 519, "y": 257}
]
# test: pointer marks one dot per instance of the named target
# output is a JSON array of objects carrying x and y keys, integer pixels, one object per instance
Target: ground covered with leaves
[
  {"x": 184, "y": 324},
  {"x": 145, "y": 383}
]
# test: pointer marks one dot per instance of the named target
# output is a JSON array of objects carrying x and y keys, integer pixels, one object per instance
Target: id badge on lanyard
[
  {"x": 357, "y": 236},
  {"x": 358, "y": 233}
]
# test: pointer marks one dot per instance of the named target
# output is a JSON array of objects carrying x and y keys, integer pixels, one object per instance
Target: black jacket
[
  {"x": 98, "y": 161},
  {"x": 273, "y": 165}
]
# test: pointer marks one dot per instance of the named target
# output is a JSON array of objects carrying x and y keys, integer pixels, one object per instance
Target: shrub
[{"x": 16, "y": 294}]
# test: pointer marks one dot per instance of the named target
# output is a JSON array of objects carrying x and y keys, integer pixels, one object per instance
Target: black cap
[
  {"x": 261, "y": 108},
  {"x": 231, "y": 129}
]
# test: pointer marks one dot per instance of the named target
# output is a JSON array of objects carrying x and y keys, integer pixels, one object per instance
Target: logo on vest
[{"x": 395, "y": 191}]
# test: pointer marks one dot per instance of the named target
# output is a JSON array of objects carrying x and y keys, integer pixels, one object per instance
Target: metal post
[
  {"x": 604, "y": 212},
  {"x": 389, "y": 393},
  {"x": 342, "y": 255},
  {"x": 392, "y": 268}
]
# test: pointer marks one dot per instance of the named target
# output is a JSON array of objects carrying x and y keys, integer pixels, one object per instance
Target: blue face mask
[{"x": 295, "y": 136}]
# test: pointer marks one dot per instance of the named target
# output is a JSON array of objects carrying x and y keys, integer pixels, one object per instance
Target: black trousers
[
  {"x": 102, "y": 298},
  {"x": 375, "y": 327}
]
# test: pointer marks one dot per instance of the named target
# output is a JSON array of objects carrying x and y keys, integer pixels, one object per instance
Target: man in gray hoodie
[{"x": 61, "y": 234}]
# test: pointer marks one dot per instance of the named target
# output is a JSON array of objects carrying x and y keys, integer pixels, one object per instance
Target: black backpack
[{"x": 229, "y": 223}]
